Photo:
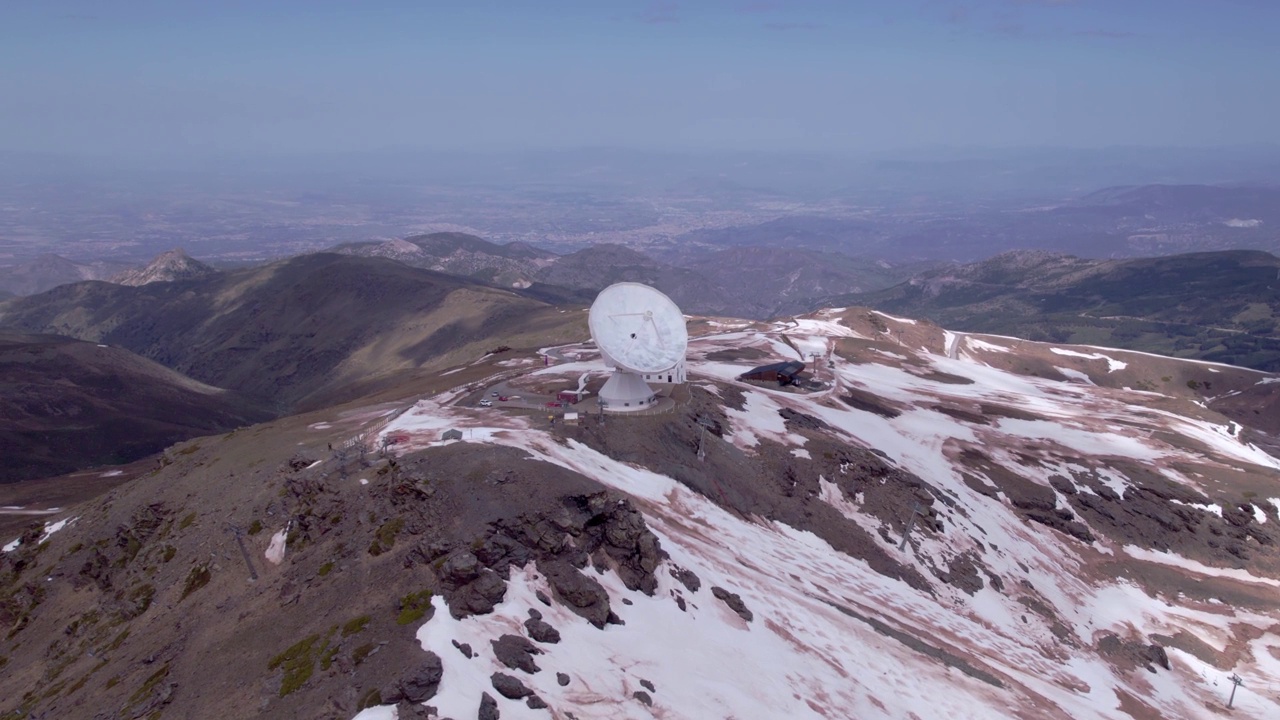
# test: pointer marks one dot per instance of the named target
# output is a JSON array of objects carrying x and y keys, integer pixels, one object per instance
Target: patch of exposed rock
[
  {"x": 734, "y": 601},
  {"x": 418, "y": 684},
  {"x": 516, "y": 653},
  {"x": 1133, "y": 653},
  {"x": 509, "y": 687},
  {"x": 601, "y": 528}
]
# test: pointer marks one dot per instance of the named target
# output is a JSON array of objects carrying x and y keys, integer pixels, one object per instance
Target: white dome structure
[{"x": 640, "y": 332}]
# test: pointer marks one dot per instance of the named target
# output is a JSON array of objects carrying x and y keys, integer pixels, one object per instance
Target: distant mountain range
[
  {"x": 1128, "y": 221},
  {"x": 49, "y": 271},
  {"x": 297, "y": 332},
  {"x": 1221, "y": 306},
  {"x": 753, "y": 282}
]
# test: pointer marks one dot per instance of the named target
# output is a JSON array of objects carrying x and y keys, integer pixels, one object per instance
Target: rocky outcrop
[
  {"x": 579, "y": 593},
  {"x": 734, "y": 601},
  {"x": 541, "y": 631},
  {"x": 472, "y": 589},
  {"x": 509, "y": 687},
  {"x": 602, "y": 529},
  {"x": 516, "y": 653},
  {"x": 418, "y": 684},
  {"x": 1133, "y": 653}
]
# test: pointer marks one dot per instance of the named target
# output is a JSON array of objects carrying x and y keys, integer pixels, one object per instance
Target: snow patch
[
  {"x": 905, "y": 321},
  {"x": 275, "y": 550},
  {"x": 976, "y": 344},
  {"x": 1112, "y": 363},
  {"x": 1199, "y": 568},
  {"x": 379, "y": 712},
  {"x": 1211, "y": 508},
  {"x": 1075, "y": 375},
  {"x": 51, "y": 528}
]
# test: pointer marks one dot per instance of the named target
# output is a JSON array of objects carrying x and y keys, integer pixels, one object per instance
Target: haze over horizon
[{"x": 140, "y": 78}]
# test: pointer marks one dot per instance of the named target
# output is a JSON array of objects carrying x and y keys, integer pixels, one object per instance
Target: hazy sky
[{"x": 201, "y": 76}]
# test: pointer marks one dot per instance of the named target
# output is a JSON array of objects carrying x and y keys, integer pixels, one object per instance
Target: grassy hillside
[
  {"x": 296, "y": 332},
  {"x": 67, "y": 404},
  {"x": 1221, "y": 306}
]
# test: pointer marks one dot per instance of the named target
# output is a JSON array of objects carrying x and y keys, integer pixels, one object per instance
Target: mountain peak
[{"x": 168, "y": 266}]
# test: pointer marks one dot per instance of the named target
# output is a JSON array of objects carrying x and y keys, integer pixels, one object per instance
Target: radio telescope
[{"x": 639, "y": 330}]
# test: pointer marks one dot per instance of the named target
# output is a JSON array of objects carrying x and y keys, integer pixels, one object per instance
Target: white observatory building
[{"x": 642, "y": 336}]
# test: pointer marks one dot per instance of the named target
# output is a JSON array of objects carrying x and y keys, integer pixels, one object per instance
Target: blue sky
[{"x": 199, "y": 77}]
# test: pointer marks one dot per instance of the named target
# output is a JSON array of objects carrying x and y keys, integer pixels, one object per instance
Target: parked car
[
  {"x": 555, "y": 403},
  {"x": 486, "y": 403},
  {"x": 503, "y": 398},
  {"x": 494, "y": 394}
]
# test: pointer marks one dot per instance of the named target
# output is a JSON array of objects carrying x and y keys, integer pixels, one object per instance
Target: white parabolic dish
[{"x": 638, "y": 327}]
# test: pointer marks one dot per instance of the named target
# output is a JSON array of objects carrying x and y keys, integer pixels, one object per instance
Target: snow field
[{"x": 799, "y": 649}]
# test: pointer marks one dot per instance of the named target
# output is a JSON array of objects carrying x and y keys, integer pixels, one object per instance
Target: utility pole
[
  {"x": 244, "y": 552},
  {"x": 911, "y": 521},
  {"x": 702, "y": 439},
  {"x": 1235, "y": 683}
]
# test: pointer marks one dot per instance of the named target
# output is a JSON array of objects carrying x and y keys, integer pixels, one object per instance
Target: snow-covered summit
[{"x": 1077, "y": 550}]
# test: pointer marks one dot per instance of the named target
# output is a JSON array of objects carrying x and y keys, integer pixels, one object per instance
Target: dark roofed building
[{"x": 783, "y": 373}]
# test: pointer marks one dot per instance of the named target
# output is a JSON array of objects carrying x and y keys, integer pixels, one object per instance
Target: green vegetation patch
[
  {"x": 370, "y": 699},
  {"x": 80, "y": 683},
  {"x": 187, "y": 521},
  {"x": 149, "y": 685},
  {"x": 196, "y": 579},
  {"x": 325, "y": 569},
  {"x": 326, "y": 658},
  {"x": 118, "y": 640},
  {"x": 140, "y": 599},
  {"x": 385, "y": 538},
  {"x": 359, "y": 654},
  {"x": 298, "y": 662},
  {"x": 355, "y": 625},
  {"x": 413, "y": 606}
]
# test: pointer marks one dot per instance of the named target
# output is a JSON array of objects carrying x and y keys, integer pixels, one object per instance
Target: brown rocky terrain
[
  {"x": 1019, "y": 531},
  {"x": 67, "y": 404}
]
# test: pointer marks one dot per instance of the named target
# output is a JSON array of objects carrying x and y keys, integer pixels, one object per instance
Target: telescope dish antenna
[{"x": 640, "y": 331}]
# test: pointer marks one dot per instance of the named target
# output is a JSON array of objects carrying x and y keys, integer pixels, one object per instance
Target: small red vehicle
[
  {"x": 503, "y": 398},
  {"x": 555, "y": 403}
]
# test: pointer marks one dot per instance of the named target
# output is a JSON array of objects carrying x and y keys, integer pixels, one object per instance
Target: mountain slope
[
  {"x": 1080, "y": 550},
  {"x": 599, "y": 266},
  {"x": 67, "y": 404},
  {"x": 509, "y": 265},
  {"x": 168, "y": 266},
  {"x": 1222, "y": 306},
  {"x": 297, "y": 331},
  {"x": 48, "y": 271}
]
